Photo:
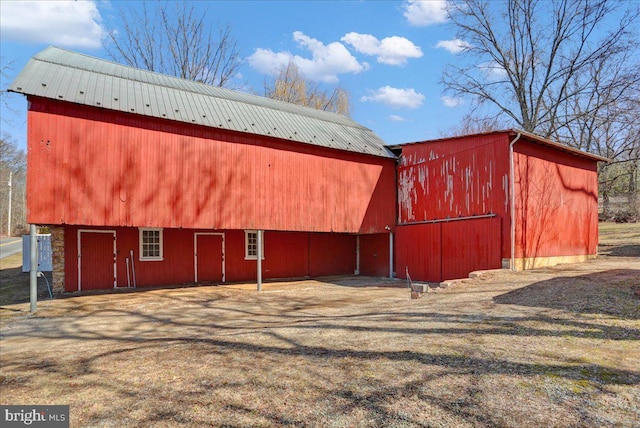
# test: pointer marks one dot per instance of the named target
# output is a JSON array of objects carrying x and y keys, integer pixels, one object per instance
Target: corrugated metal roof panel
[
  {"x": 513, "y": 133},
  {"x": 60, "y": 74}
]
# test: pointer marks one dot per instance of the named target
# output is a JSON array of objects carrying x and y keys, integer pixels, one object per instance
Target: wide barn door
[
  {"x": 209, "y": 258},
  {"x": 469, "y": 245},
  {"x": 97, "y": 260},
  {"x": 448, "y": 250}
]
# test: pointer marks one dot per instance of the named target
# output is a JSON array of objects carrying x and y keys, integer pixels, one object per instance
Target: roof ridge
[
  {"x": 60, "y": 74},
  {"x": 252, "y": 98}
]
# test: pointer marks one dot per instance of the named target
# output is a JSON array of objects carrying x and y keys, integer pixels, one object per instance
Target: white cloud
[
  {"x": 364, "y": 43},
  {"x": 327, "y": 61},
  {"x": 62, "y": 23},
  {"x": 451, "y": 101},
  {"x": 393, "y": 50},
  {"x": 454, "y": 46},
  {"x": 268, "y": 61},
  {"x": 425, "y": 12},
  {"x": 396, "y": 118},
  {"x": 395, "y": 97}
]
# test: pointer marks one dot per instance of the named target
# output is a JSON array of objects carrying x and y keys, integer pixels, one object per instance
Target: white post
[
  {"x": 33, "y": 270},
  {"x": 259, "y": 260},
  {"x": 390, "y": 255},
  {"x": 9, "y": 218}
]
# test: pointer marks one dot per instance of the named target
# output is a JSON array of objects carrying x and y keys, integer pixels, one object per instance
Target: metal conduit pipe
[{"x": 448, "y": 220}]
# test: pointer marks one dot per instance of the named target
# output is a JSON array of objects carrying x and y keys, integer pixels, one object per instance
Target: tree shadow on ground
[
  {"x": 609, "y": 292},
  {"x": 350, "y": 395},
  {"x": 253, "y": 335},
  {"x": 619, "y": 250}
]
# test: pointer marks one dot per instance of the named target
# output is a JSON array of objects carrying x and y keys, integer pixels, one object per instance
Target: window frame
[
  {"x": 141, "y": 244},
  {"x": 248, "y": 256}
]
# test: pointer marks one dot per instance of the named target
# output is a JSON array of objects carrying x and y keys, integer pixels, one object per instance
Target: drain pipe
[
  {"x": 390, "y": 255},
  {"x": 388, "y": 229},
  {"x": 512, "y": 195}
]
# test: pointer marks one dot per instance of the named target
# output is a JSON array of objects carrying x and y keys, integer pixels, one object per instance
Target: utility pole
[{"x": 9, "y": 219}]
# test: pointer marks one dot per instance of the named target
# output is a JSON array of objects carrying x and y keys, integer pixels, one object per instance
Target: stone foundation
[
  {"x": 57, "y": 247},
  {"x": 540, "y": 262}
]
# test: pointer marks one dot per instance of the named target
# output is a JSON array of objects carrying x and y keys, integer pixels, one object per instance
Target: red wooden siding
[
  {"x": 418, "y": 249},
  {"x": 448, "y": 250},
  {"x": 374, "y": 254},
  {"x": 556, "y": 203},
  {"x": 96, "y": 167},
  {"x": 287, "y": 255},
  {"x": 457, "y": 177},
  {"x": 470, "y": 245},
  {"x": 331, "y": 254}
]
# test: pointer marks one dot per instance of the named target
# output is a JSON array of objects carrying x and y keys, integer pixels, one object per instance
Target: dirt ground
[{"x": 555, "y": 347}]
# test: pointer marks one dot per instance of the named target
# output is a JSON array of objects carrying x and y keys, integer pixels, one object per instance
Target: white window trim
[
  {"x": 246, "y": 245},
  {"x": 140, "y": 246}
]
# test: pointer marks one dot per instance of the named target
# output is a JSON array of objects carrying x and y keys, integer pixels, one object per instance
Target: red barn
[
  {"x": 146, "y": 179},
  {"x": 499, "y": 199},
  {"x": 149, "y": 179}
]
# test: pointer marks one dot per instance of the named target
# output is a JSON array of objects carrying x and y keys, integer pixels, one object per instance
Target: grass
[
  {"x": 619, "y": 233},
  {"x": 619, "y": 239},
  {"x": 555, "y": 347},
  {"x": 14, "y": 284}
]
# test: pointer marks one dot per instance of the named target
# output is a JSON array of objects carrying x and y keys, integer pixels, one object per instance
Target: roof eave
[
  {"x": 558, "y": 146},
  {"x": 513, "y": 133}
]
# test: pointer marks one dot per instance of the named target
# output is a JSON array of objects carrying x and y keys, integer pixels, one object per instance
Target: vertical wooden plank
[
  {"x": 172, "y": 178},
  {"x": 418, "y": 248}
]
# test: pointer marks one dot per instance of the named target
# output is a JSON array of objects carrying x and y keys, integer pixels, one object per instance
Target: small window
[
  {"x": 251, "y": 245},
  {"x": 151, "y": 244}
]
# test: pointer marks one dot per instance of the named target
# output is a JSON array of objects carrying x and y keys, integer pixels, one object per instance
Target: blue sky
[{"x": 389, "y": 55}]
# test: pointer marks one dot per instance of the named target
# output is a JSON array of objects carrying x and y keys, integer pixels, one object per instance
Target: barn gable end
[{"x": 455, "y": 194}]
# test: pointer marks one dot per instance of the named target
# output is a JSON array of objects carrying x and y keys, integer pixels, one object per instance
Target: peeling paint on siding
[
  {"x": 405, "y": 190},
  {"x": 453, "y": 178},
  {"x": 505, "y": 187}
]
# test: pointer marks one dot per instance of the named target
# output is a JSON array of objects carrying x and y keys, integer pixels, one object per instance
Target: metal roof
[
  {"x": 559, "y": 146},
  {"x": 77, "y": 78},
  {"x": 513, "y": 133}
]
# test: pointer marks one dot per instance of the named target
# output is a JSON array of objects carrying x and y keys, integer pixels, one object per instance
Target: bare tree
[
  {"x": 606, "y": 120},
  {"x": 13, "y": 168},
  {"x": 525, "y": 54},
  {"x": 474, "y": 125},
  {"x": 7, "y": 66},
  {"x": 173, "y": 38},
  {"x": 291, "y": 86},
  {"x": 563, "y": 69}
]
